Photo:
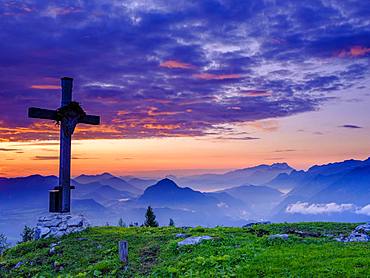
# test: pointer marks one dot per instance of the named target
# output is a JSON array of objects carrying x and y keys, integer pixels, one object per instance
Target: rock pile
[
  {"x": 59, "y": 224},
  {"x": 360, "y": 234}
]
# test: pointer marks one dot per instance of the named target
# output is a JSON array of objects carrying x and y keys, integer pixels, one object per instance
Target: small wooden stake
[{"x": 123, "y": 251}]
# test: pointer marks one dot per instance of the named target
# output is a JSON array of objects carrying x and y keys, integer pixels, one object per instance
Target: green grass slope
[{"x": 234, "y": 252}]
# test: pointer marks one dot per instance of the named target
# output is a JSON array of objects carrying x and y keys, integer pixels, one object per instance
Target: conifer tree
[
  {"x": 27, "y": 234},
  {"x": 3, "y": 243},
  {"x": 121, "y": 223},
  {"x": 150, "y": 218},
  {"x": 172, "y": 223}
]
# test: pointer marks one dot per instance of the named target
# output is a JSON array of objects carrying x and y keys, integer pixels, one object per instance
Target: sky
[{"x": 185, "y": 87}]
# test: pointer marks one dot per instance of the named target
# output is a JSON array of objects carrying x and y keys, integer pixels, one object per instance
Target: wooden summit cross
[{"x": 68, "y": 115}]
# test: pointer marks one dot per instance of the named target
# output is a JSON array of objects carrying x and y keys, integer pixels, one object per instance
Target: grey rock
[
  {"x": 180, "y": 235},
  {"x": 54, "y": 244},
  {"x": 358, "y": 237},
  {"x": 53, "y": 230},
  {"x": 58, "y": 234},
  {"x": 75, "y": 221},
  {"x": 340, "y": 238},
  {"x": 46, "y": 218},
  {"x": 328, "y": 235},
  {"x": 18, "y": 265},
  {"x": 52, "y": 251},
  {"x": 41, "y": 232},
  {"x": 193, "y": 240},
  {"x": 63, "y": 226},
  {"x": 66, "y": 217},
  {"x": 281, "y": 236},
  {"x": 52, "y": 223}
]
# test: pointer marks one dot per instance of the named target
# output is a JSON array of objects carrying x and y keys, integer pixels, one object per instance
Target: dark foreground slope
[{"x": 153, "y": 252}]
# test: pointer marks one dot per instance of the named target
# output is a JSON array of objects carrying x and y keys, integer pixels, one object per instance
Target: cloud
[
  {"x": 41, "y": 157},
  {"x": 41, "y": 143},
  {"x": 318, "y": 133},
  {"x": 254, "y": 93},
  {"x": 245, "y": 138},
  {"x": 222, "y": 205},
  {"x": 266, "y": 125},
  {"x": 284, "y": 151},
  {"x": 365, "y": 210},
  {"x": 306, "y": 208},
  {"x": 354, "y": 51},
  {"x": 8, "y": 150},
  {"x": 351, "y": 126},
  {"x": 173, "y": 64},
  {"x": 46, "y": 87},
  {"x": 212, "y": 76},
  {"x": 125, "y": 158},
  {"x": 229, "y": 64}
]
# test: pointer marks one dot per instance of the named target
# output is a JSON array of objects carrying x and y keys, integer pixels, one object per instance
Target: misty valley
[{"x": 277, "y": 193}]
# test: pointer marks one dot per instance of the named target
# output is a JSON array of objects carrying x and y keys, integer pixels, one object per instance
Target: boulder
[
  {"x": 75, "y": 221},
  {"x": 41, "y": 232},
  {"x": 52, "y": 223},
  {"x": 281, "y": 236},
  {"x": 193, "y": 240},
  {"x": 180, "y": 235}
]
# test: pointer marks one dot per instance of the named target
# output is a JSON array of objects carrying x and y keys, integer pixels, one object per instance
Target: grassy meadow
[{"x": 233, "y": 252}]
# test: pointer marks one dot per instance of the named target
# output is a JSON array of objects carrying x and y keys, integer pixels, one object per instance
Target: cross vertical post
[
  {"x": 68, "y": 115},
  {"x": 65, "y": 150}
]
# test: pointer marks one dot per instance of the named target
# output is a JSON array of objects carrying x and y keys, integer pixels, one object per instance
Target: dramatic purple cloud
[{"x": 183, "y": 68}]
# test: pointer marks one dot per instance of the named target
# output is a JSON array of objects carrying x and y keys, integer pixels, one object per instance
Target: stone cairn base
[{"x": 59, "y": 224}]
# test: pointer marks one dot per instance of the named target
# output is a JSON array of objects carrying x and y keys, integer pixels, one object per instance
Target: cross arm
[
  {"x": 40, "y": 113},
  {"x": 90, "y": 120}
]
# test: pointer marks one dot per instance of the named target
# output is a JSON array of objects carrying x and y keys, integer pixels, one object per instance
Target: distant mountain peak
[
  {"x": 280, "y": 165},
  {"x": 102, "y": 175},
  {"x": 166, "y": 192},
  {"x": 277, "y": 165},
  {"x": 106, "y": 174},
  {"x": 166, "y": 182},
  {"x": 338, "y": 166}
]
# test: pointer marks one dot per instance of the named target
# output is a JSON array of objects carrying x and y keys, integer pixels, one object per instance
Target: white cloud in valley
[
  {"x": 307, "y": 208},
  {"x": 365, "y": 210}
]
